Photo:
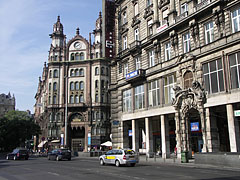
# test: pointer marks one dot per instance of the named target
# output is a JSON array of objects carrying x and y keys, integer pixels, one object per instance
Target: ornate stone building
[
  {"x": 73, "y": 91},
  {"x": 176, "y": 77},
  {"x": 7, "y": 103}
]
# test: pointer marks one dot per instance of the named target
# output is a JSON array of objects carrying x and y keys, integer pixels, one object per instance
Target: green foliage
[{"x": 15, "y": 128}]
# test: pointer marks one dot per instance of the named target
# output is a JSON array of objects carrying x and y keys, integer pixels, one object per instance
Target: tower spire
[{"x": 77, "y": 31}]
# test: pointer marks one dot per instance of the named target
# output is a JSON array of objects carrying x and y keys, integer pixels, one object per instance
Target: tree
[{"x": 15, "y": 128}]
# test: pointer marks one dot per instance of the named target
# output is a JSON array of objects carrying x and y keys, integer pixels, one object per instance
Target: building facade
[
  {"x": 7, "y": 103},
  {"x": 176, "y": 76},
  {"x": 73, "y": 91}
]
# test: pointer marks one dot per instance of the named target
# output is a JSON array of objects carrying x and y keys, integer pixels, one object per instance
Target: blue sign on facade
[
  {"x": 129, "y": 132},
  {"x": 195, "y": 126},
  {"x": 132, "y": 74}
]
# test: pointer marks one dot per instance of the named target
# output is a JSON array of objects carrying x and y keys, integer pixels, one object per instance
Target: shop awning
[
  {"x": 55, "y": 141},
  {"x": 41, "y": 144},
  {"x": 108, "y": 143}
]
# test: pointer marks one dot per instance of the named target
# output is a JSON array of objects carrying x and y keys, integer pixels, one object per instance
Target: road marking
[{"x": 55, "y": 174}]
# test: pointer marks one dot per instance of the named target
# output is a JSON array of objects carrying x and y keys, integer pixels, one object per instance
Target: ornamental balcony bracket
[
  {"x": 163, "y": 3},
  {"x": 148, "y": 11},
  {"x": 136, "y": 76},
  {"x": 135, "y": 20}
]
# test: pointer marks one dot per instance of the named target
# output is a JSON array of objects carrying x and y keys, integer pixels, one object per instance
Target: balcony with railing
[
  {"x": 181, "y": 16},
  {"x": 135, "y": 45},
  {"x": 136, "y": 75},
  {"x": 148, "y": 11},
  {"x": 135, "y": 20},
  {"x": 201, "y": 5}
]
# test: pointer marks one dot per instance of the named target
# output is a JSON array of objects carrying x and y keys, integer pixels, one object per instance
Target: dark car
[
  {"x": 18, "y": 153},
  {"x": 59, "y": 154}
]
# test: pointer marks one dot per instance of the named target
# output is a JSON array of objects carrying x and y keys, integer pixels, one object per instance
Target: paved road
[{"x": 89, "y": 169}]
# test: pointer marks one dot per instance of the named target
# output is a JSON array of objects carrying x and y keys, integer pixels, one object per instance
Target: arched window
[
  {"x": 96, "y": 71},
  {"x": 76, "y": 99},
  {"x": 102, "y": 70},
  {"x": 54, "y": 100},
  {"x": 72, "y": 56},
  {"x": 49, "y": 100},
  {"x": 50, "y": 86},
  {"x": 76, "y": 86},
  {"x": 54, "y": 86},
  {"x": 76, "y": 72},
  {"x": 71, "y": 99},
  {"x": 82, "y": 56},
  {"x": 81, "y": 72},
  {"x": 81, "y": 85},
  {"x": 96, "y": 84},
  {"x": 188, "y": 79},
  {"x": 81, "y": 99},
  {"x": 72, "y": 86},
  {"x": 106, "y": 71},
  {"x": 96, "y": 98},
  {"x": 102, "y": 84},
  {"x": 55, "y": 73},
  {"x": 77, "y": 56},
  {"x": 72, "y": 72},
  {"x": 50, "y": 74}
]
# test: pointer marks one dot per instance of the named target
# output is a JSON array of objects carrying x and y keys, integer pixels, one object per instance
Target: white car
[{"x": 120, "y": 157}]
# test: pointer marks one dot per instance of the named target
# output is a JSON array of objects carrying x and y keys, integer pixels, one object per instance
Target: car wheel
[
  {"x": 14, "y": 158},
  {"x": 57, "y": 158},
  {"x": 7, "y": 158},
  {"x": 102, "y": 162},
  {"x": 117, "y": 163},
  {"x": 133, "y": 164}
]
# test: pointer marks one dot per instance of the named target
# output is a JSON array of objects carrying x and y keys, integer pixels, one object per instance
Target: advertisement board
[{"x": 195, "y": 126}]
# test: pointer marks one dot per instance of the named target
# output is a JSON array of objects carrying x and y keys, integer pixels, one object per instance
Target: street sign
[{"x": 237, "y": 113}]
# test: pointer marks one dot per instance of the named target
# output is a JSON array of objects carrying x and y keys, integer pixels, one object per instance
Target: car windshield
[{"x": 131, "y": 152}]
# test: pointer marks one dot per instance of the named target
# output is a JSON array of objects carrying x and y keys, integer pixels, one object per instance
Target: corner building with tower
[
  {"x": 176, "y": 76},
  {"x": 72, "y": 101}
]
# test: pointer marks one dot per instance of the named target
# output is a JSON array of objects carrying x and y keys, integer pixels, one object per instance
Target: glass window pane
[
  {"x": 238, "y": 54},
  {"x": 221, "y": 81},
  {"x": 234, "y": 78},
  {"x": 214, "y": 82},
  {"x": 206, "y": 83},
  {"x": 205, "y": 68},
  {"x": 212, "y": 66},
  {"x": 232, "y": 60},
  {"x": 219, "y": 62}
]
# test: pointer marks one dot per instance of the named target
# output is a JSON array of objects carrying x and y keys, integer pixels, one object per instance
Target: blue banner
[{"x": 195, "y": 126}]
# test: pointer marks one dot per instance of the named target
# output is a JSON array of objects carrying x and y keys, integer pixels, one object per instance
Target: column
[
  {"x": 86, "y": 139},
  {"x": 201, "y": 111},
  {"x": 208, "y": 131},
  {"x": 232, "y": 129},
  {"x": 178, "y": 134},
  {"x": 147, "y": 136},
  {"x": 165, "y": 137},
  {"x": 133, "y": 135}
]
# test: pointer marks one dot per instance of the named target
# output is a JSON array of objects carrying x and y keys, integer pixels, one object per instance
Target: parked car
[
  {"x": 120, "y": 157},
  {"x": 59, "y": 154},
  {"x": 18, "y": 153}
]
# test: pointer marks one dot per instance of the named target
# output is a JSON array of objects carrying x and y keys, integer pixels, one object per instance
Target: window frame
[
  {"x": 167, "y": 51},
  {"x": 238, "y": 20},
  {"x": 186, "y": 42},
  {"x": 127, "y": 100},
  {"x": 151, "y": 58},
  {"x": 139, "y": 97},
  {"x": 151, "y": 91},
  {"x": 209, "y": 32}
]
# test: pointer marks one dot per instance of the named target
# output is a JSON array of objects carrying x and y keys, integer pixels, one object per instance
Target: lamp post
[{"x": 66, "y": 110}]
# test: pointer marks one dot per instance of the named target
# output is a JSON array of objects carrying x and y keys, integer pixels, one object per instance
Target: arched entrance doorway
[{"x": 194, "y": 131}]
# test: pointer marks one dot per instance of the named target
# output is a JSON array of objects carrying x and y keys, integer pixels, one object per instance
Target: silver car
[{"x": 120, "y": 157}]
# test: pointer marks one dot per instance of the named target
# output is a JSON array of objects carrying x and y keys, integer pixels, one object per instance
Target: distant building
[
  {"x": 73, "y": 89},
  {"x": 7, "y": 103}
]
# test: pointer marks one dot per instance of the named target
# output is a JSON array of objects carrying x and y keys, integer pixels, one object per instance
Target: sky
[{"x": 25, "y": 26}]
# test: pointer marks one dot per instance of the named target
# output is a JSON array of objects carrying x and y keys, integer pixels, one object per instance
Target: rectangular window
[
  {"x": 209, "y": 32},
  {"x": 169, "y": 83},
  {"x": 139, "y": 97},
  {"x": 124, "y": 42},
  {"x": 136, "y": 9},
  {"x": 151, "y": 58},
  {"x": 150, "y": 28},
  {"x": 213, "y": 76},
  {"x": 184, "y": 8},
  {"x": 154, "y": 93},
  {"x": 236, "y": 20},
  {"x": 125, "y": 69},
  {"x": 124, "y": 15},
  {"x": 138, "y": 63},
  {"x": 234, "y": 63},
  {"x": 136, "y": 34},
  {"x": 167, "y": 51},
  {"x": 127, "y": 100},
  {"x": 149, "y": 2},
  {"x": 186, "y": 43}
]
